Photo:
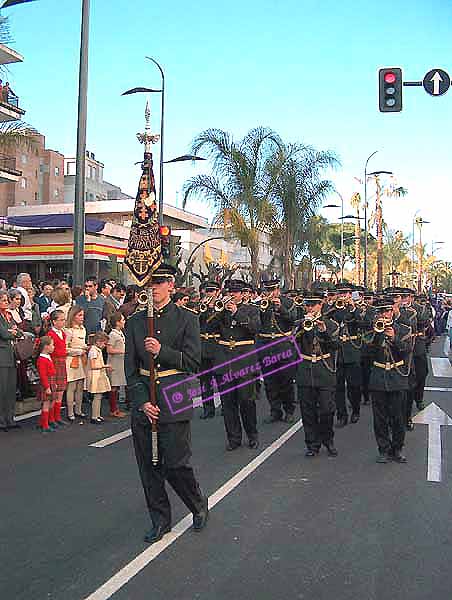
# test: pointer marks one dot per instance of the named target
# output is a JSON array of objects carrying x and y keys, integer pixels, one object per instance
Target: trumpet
[
  {"x": 143, "y": 298},
  {"x": 340, "y": 303},
  {"x": 381, "y": 324},
  {"x": 220, "y": 304},
  {"x": 309, "y": 323},
  {"x": 204, "y": 304},
  {"x": 298, "y": 300}
]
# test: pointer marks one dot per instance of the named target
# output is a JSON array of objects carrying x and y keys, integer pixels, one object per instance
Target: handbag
[
  {"x": 75, "y": 362},
  {"x": 23, "y": 348}
]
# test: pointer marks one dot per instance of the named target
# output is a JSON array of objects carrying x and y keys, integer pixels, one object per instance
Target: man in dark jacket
[
  {"x": 389, "y": 349},
  {"x": 176, "y": 350}
]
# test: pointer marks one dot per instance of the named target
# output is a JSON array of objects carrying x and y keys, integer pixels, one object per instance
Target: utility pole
[
  {"x": 379, "y": 223},
  {"x": 79, "y": 201}
]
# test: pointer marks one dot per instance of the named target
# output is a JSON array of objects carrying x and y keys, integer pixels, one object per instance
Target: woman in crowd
[
  {"x": 34, "y": 325},
  {"x": 98, "y": 382},
  {"x": 116, "y": 349},
  {"x": 8, "y": 333},
  {"x": 75, "y": 362},
  {"x": 58, "y": 382},
  {"x": 62, "y": 300},
  {"x": 16, "y": 310}
]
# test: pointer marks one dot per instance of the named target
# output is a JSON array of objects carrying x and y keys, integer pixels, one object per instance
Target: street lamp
[
  {"x": 365, "y": 216},
  {"x": 436, "y": 244},
  {"x": 419, "y": 222}
]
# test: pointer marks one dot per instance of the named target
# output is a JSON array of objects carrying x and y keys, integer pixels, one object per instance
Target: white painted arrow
[
  {"x": 436, "y": 81},
  {"x": 434, "y": 417}
]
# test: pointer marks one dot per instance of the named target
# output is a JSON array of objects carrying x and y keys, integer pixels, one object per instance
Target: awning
[{"x": 65, "y": 221}]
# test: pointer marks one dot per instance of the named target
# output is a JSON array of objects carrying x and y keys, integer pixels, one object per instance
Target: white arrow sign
[
  {"x": 437, "y": 79},
  {"x": 434, "y": 417}
]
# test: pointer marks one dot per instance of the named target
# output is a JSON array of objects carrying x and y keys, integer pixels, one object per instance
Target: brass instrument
[
  {"x": 265, "y": 301},
  {"x": 220, "y": 304},
  {"x": 381, "y": 324},
  {"x": 143, "y": 298},
  {"x": 204, "y": 304},
  {"x": 309, "y": 323},
  {"x": 298, "y": 300},
  {"x": 340, "y": 303}
]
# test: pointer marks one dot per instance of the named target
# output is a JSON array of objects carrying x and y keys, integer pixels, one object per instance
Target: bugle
[
  {"x": 309, "y": 323},
  {"x": 381, "y": 324},
  {"x": 205, "y": 303},
  {"x": 220, "y": 304}
]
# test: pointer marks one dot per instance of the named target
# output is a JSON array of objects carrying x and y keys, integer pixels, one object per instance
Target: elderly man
[{"x": 24, "y": 284}]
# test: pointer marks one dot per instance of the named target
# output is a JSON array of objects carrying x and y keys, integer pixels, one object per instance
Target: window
[
  {"x": 23, "y": 159},
  {"x": 57, "y": 171},
  {"x": 36, "y": 196},
  {"x": 56, "y": 193},
  {"x": 93, "y": 173},
  {"x": 23, "y": 183}
]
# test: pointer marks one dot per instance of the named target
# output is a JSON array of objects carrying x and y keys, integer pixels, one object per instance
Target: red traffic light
[
  {"x": 165, "y": 231},
  {"x": 390, "y": 77}
]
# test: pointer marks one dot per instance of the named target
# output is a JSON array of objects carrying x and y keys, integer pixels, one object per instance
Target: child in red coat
[
  {"x": 58, "y": 382},
  {"x": 46, "y": 370}
]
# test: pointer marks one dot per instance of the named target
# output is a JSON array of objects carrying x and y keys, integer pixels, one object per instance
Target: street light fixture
[
  {"x": 419, "y": 221},
  {"x": 365, "y": 216}
]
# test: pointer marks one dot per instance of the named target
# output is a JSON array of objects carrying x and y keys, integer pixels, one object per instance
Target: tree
[
  {"x": 299, "y": 191},
  {"x": 243, "y": 183}
]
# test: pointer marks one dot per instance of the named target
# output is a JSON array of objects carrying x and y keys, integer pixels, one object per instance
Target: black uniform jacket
[
  {"x": 178, "y": 332},
  {"x": 278, "y": 322},
  {"x": 314, "y": 371},
  {"x": 351, "y": 323},
  {"x": 208, "y": 325},
  {"x": 390, "y": 359}
]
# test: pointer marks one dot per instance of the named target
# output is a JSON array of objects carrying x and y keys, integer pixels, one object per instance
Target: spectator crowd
[{"x": 63, "y": 345}]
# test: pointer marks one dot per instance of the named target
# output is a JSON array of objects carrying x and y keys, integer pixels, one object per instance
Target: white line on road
[
  {"x": 435, "y": 389},
  {"x": 112, "y": 439},
  {"x": 129, "y": 571},
  {"x": 441, "y": 367},
  {"x": 29, "y": 415}
]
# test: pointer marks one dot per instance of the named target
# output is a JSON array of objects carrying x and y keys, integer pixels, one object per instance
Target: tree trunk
[
  {"x": 379, "y": 222},
  {"x": 358, "y": 250},
  {"x": 254, "y": 259}
]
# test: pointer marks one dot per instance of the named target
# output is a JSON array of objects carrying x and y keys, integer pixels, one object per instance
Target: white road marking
[
  {"x": 112, "y": 439},
  {"x": 435, "y": 418},
  {"x": 112, "y": 585},
  {"x": 441, "y": 367},
  {"x": 435, "y": 389},
  {"x": 29, "y": 415}
]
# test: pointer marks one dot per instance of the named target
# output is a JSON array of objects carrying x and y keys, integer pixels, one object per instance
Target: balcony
[
  {"x": 8, "y": 171},
  {"x": 8, "y": 55},
  {"x": 9, "y": 107}
]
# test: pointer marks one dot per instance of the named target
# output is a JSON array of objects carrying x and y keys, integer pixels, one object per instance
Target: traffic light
[
  {"x": 390, "y": 89},
  {"x": 165, "y": 240}
]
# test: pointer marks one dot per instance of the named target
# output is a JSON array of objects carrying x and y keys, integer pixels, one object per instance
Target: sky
[{"x": 306, "y": 69}]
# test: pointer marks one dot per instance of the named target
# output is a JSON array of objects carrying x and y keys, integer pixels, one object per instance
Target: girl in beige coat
[
  {"x": 116, "y": 349},
  {"x": 98, "y": 382},
  {"x": 76, "y": 362}
]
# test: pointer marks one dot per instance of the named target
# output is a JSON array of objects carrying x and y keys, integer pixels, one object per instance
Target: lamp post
[
  {"x": 435, "y": 244},
  {"x": 419, "y": 222},
  {"x": 341, "y": 206},
  {"x": 365, "y": 217},
  {"x": 357, "y": 239}
]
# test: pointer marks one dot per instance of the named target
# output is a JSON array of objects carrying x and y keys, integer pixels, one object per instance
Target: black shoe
[
  {"x": 200, "y": 519},
  {"x": 398, "y": 457},
  {"x": 82, "y": 415},
  {"x": 290, "y": 418},
  {"x": 382, "y": 458},
  {"x": 342, "y": 421},
  {"x": 253, "y": 444},
  {"x": 354, "y": 418},
  {"x": 71, "y": 419},
  {"x": 15, "y": 426},
  {"x": 156, "y": 533},
  {"x": 5, "y": 429},
  {"x": 204, "y": 416},
  {"x": 230, "y": 447},
  {"x": 331, "y": 448},
  {"x": 309, "y": 453},
  {"x": 272, "y": 419},
  {"x": 410, "y": 425},
  {"x": 420, "y": 406},
  {"x": 366, "y": 402}
]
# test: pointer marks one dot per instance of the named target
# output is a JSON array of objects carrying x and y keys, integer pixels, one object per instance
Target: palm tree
[
  {"x": 299, "y": 191},
  {"x": 242, "y": 184},
  {"x": 16, "y": 134}
]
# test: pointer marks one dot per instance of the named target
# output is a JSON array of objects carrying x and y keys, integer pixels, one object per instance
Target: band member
[
  {"x": 317, "y": 338},
  {"x": 418, "y": 317},
  {"x": 389, "y": 348},
  {"x": 247, "y": 293},
  {"x": 238, "y": 325},
  {"x": 368, "y": 316},
  {"x": 278, "y": 315},
  {"x": 176, "y": 349},
  {"x": 209, "y": 334},
  {"x": 349, "y": 317}
]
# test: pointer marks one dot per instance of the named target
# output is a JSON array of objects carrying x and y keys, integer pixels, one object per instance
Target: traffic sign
[{"x": 436, "y": 82}]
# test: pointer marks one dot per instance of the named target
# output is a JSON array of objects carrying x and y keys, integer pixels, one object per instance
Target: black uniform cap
[
  {"x": 270, "y": 284},
  {"x": 163, "y": 273},
  {"x": 383, "y": 303},
  {"x": 234, "y": 285},
  {"x": 313, "y": 297},
  {"x": 210, "y": 286}
]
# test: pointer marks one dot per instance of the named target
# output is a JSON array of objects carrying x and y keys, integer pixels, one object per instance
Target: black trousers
[
  {"x": 317, "y": 411},
  {"x": 8, "y": 380},
  {"x": 416, "y": 392},
  {"x": 350, "y": 373},
  {"x": 281, "y": 392},
  {"x": 389, "y": 421},
  {"x": 208, "y": 390},
  {"x": 174, "y": 467},
  {"x": 240, "y": 403},
  {"x": 366, "y": 364}
]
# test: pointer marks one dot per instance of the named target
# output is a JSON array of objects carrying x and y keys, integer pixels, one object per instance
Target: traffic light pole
[{"x": 79, "y": 201}]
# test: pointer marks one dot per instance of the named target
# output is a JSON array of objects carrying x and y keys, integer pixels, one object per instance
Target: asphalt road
[{"x": 72, "y": 516}]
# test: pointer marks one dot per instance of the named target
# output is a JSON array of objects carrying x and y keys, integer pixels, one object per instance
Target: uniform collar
[{"x": 164, "y": 308}]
